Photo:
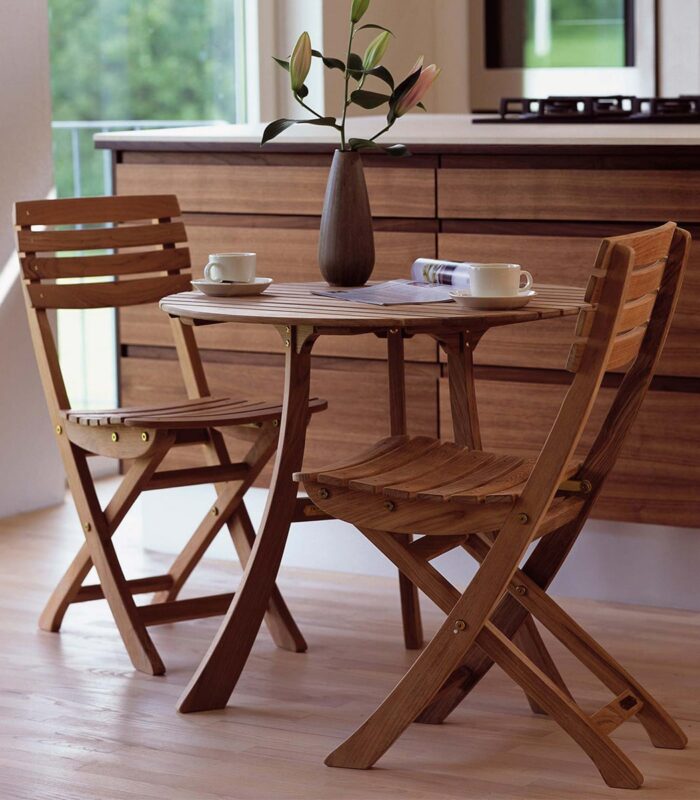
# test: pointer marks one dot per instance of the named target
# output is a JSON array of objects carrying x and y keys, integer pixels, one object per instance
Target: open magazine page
[{"x": 392, "y": 293}]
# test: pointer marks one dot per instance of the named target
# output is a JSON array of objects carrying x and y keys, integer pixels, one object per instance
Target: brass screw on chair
[
  {"x": 520, "y": 589},
  {"x": 215, "y": 512},
  {"x": 115, "y": 437},
  {"x": 523, "y": 518},
  {"x": 144, "y": 437},
  {"x": 87, "y": 527},
  {"x": 324, "y": 494},
  {"x": 59, "y": 430},
  {"x": 390, "y": 506},
  {"x": 275, "y": 423},
  {"x": 460, "y": 625}
]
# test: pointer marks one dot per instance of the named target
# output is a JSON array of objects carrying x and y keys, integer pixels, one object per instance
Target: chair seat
[
  {"x": 423, "y": 468},
  {"x": 209, "y": 412}
]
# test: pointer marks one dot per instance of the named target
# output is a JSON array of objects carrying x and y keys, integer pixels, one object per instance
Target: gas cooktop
[{"x": 613, "y": 108}]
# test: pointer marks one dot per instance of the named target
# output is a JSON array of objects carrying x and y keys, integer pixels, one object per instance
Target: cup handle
[
  {"x": 208, "y": 275},
  {"x": 528, "y": 281}
]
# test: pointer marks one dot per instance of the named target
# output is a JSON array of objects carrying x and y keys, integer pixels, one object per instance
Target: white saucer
[
  {"x": 463, "y": 298},
  {"x": 216, "y": 289}
]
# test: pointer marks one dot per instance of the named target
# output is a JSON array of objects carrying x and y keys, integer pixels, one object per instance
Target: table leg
[
  {"x": 410, "y": 603},
  {"x": 216, "y": 677},
  {"x": 465, "y": 422}
]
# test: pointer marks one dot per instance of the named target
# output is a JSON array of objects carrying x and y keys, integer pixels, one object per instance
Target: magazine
[{"x": 432, "y": 281}]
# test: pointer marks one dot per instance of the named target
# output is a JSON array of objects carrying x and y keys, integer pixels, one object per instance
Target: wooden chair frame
[
  {"x": 145, "y": 444},
  {"x": 634, "y": 291}
]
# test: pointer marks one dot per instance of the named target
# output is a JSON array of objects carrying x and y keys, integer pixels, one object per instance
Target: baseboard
[{"x": 612, "y": 561}]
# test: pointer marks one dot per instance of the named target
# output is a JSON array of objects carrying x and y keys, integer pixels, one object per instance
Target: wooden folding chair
[
  {"x": 495, "y": 505},
  {"x": 149, "y": 264}
]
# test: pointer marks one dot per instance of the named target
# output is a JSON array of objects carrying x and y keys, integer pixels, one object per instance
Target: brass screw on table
[
  {"x": 460, "y": 625},
  {"x": 115, "y": 437},
  {"x": 389, "y": 506},
  {"x": 144, "y": 437},
  {"x": 324, "y": 494},
  {"x": 59, "y": 430}
]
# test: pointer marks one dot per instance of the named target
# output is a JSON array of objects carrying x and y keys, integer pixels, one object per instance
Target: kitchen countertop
[{"x": 423, "y": 133}]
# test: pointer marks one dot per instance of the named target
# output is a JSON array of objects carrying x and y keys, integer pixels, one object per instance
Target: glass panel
[
  {"x": 559, "y": 33},
  {"x": 130, "y": 64}
]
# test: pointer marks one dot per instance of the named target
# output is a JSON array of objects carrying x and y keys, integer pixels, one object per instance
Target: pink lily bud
[
  {"x": 300, "y": 62},
  {"x": 419, "y": 89}
]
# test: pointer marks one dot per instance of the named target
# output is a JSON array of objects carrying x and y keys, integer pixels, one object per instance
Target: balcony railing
[{"x": 80, "y": 169}]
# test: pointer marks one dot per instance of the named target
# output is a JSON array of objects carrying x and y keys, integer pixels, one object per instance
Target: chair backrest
[
  {"x": 633, "y": 293},
  {"x": 67, "y": 239}
]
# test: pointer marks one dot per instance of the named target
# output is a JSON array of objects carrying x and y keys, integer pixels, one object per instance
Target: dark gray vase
[{"x": 346, "y": 246}]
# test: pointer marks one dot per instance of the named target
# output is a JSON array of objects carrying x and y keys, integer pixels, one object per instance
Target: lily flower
[
  {"x": 419, "y": 89},
  {"x": 300, "y": 62},
  {"x": 359, "y": 7},
  {"x": 376, "y": 50}
]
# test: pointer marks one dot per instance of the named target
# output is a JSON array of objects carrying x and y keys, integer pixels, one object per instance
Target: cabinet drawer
[
  {"x": 567, "y": 260},
  {"x": 356, "y": 417},
  {"x": 239, "y": 189},
  {"x": 286, "y": 255},
  {"x": 657, "y": 478},
  {"x": 572, "y": 194}
]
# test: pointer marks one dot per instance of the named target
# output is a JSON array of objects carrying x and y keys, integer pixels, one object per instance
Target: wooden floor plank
[{"x": 79, "y": 722}]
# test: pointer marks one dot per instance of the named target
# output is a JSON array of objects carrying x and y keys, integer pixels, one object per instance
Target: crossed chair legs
[
  {"x": 98, "y": 550},
  {"x": 445, "y": 672}
]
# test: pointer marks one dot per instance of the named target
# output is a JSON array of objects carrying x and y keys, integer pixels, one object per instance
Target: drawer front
[
  {"x": 358, "y": 402},
  {"x": 657, "y": 478},
  {"x": 285, "y": 255},
  {"x": 567, "y": 260},
  {"x": 546, "y": 194},
  {"x": 393, "y": 191}
]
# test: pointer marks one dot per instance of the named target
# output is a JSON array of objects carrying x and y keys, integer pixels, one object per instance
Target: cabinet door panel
[
  {"x": 566, "y": 260},
  {"x": 393, "y": 191},
  {"x": 657, "y": 478},
  {"x": 569, "y": 194},
  {"x": 357, "y": 393},
  {"x": 286, "y": 255}
]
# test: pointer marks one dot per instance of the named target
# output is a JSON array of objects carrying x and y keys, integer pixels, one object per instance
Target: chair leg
[
  {"x": 614, "y": 766},
  {"x": 67, "y": 588},
  {"x": 98, "y": 537},
  {"x": 542, "y": 566},
  {"x": 363, "y": 748}
]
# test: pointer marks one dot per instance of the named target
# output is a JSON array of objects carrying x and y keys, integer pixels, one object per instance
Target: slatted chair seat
[
  {"x": 423, "y": 468},
  {"x": 211, "y": 412}
]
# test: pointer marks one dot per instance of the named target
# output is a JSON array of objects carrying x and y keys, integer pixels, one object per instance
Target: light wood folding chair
[
  {"x": 495, "y": 505},
  {"x": 145, "y": 257}
]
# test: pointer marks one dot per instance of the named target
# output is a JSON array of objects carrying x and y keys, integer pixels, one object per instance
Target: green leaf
[
  {"x": 331, "y": 63},
  {"x": 375, "y": 27},
  {"x": 398, "y": 150},
  {"x": 358, "y": 10},
  {"x": 364, "y": 144},
  {"x": 355, "y": 67},
  {"x": 383, "y": 74},
  {"x": 275, "y": 128},
  {"x": 284, "y": 64},
  {"x": 368, "y": 100},
  {"x": 280, "y": 125}
]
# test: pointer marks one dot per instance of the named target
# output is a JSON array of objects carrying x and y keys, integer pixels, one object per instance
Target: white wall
[
  {"x": 30, "y": 472},
  {"x": 679, "y": 47}
]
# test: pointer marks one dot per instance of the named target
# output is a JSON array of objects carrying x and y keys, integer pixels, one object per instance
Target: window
[
  {"x": 559, "y": 33},
  {"x": 129, "y": 64}
]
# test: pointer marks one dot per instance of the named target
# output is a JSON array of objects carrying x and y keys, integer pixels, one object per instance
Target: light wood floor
[{"x": 77, "y": 722}]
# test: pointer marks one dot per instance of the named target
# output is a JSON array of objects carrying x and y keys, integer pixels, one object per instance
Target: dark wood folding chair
[
  {"x": 145, "y": 257},
  {"x": 495, "y": 505}
]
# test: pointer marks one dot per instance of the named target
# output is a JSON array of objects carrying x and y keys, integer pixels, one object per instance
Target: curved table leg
[{"x": 216, "y": 677}]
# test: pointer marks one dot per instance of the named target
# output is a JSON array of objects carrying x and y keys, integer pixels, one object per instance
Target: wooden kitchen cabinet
[{"x": 546, "y": 208}]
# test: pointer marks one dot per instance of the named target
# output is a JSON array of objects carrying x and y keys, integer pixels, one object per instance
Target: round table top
[{"x": 295, "y": 304}]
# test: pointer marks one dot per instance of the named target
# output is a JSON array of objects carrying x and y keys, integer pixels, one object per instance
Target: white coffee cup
[
  {"x": 230, "y": 267},
  {"x": 498, "y": 280}
]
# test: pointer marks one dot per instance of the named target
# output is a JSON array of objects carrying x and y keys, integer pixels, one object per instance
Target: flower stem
[
  {"x": 308, "y": 108},
  {"x": 383, "y": 130},
  {"x": 347, "y": 86}
]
